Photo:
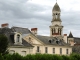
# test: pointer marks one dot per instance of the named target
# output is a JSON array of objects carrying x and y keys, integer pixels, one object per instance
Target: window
[
  {"x": 46, "y": 50},
  {"x": 66, "y": 51},
  {"x": 60, "y": 50},
  {"x": 18, "y": 38},
  {"x": 53, "y": 50},
  {"x": 56, "y": 16},
  {"x": 38, "y": 48},
  {"x": 23, "y": 53}
]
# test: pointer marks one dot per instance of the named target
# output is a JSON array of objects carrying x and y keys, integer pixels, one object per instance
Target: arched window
[
  {"x": 60, "y": 31},
  {"x": 67, "y": 51},
  {"x": 23, "y": 53},
  {"x": 52, "y": 31},
  {"x": 18, "y": 38},
  {"x": 56, "y": 16},
  {"x": 11, "y": 51}
]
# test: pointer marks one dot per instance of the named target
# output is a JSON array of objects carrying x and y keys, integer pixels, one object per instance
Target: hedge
[{"x": 16, "y": 56}]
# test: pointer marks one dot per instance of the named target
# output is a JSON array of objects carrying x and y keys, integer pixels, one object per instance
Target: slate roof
[
  {"x": 5, "y": 30},
  {"x": 9, "y": 33},
  {"x": 52, "y": 40},
  {"x": 21, "y": 30},
  {"x": 77, "y": 40}
]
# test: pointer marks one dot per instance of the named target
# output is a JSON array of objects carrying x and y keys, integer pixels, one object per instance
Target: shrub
[{"x": 16, "y": 56}]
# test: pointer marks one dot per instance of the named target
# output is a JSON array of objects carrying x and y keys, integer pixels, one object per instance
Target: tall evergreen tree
[{"x": 3, "y": 44}]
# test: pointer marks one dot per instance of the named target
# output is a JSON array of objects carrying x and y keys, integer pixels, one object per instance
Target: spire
[{"x": 70, "y": 35}]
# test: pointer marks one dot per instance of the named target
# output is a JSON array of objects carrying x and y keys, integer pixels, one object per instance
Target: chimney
[
  {"x": 34, "y": 31},
  {"x": 5, "y": 25},
  {"x": 65, "y": 38},
  {"x": 65, "y": 34}
]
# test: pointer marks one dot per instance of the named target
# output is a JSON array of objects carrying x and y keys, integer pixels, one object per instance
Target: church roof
[{"x": 56, "y": 7}]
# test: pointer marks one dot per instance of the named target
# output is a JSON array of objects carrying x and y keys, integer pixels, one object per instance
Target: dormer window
[
  {"x": 18, "y": 38},
  {"x": 50, "y": 41}
]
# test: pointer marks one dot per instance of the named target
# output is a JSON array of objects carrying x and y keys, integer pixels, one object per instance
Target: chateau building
[{"x": 25, "y": 41}]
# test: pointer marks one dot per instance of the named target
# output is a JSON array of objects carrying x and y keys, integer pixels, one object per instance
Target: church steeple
[
  {"x": 56, "y": 28},
  {"x": 56, "y": 12}
]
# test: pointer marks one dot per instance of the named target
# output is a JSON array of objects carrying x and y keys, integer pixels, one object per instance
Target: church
[{"x": 25, "y": 41}]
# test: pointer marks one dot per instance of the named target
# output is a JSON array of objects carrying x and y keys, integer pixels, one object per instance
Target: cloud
[{"x": 38, "y": 13}]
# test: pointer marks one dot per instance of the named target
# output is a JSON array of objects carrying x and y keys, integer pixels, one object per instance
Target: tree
[{"x": 3, "y": 44}]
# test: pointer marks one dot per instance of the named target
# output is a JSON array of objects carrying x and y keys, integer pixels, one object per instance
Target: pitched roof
[
  {"x": 21, "y": 30},
  {"x": 70, "y": 35},
  {"x": 5, "y": 30},
  {"x": 9, "y": 34},
  {"x": 51, "y": 40}
]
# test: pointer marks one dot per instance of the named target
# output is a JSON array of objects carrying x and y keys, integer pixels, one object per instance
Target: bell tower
[{"x": 56, "y": 29}]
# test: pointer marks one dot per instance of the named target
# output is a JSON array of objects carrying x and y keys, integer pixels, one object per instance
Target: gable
[{"x": 32, "y": 40}]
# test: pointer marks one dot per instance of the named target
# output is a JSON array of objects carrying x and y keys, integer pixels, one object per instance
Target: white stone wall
[
  {"x": 50, "y": 49},
  {"x": 20, "y": 50},
  {"x": 56, "y": 22},
  {"x": 71, "y": 41},
  {"x": 65, "y": 38}
]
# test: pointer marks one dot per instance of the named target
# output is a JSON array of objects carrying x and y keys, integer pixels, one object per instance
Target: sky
[{"x": 38, "y": 14}]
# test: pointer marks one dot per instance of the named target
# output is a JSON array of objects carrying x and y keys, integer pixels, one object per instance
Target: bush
[
  {"x": 1, "y": 57},
  {"x": 16, "y": 56}
]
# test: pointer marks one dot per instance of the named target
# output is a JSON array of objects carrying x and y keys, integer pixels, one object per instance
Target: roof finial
[{"x": 56, "y": 0}]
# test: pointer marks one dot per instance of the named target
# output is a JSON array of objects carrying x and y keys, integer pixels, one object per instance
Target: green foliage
[
  {"x": 75, "y": 56},
  {"x": 1, "y": 57},
  {"x": 76, "y": 49},
  {"x": 16, "y": 56},
  {"x": 65, "y": 57},
  {"x": 3, "y": 44}
]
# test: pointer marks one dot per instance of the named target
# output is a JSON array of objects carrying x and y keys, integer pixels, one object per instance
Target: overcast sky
[{"x": 38, "y": 13}]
